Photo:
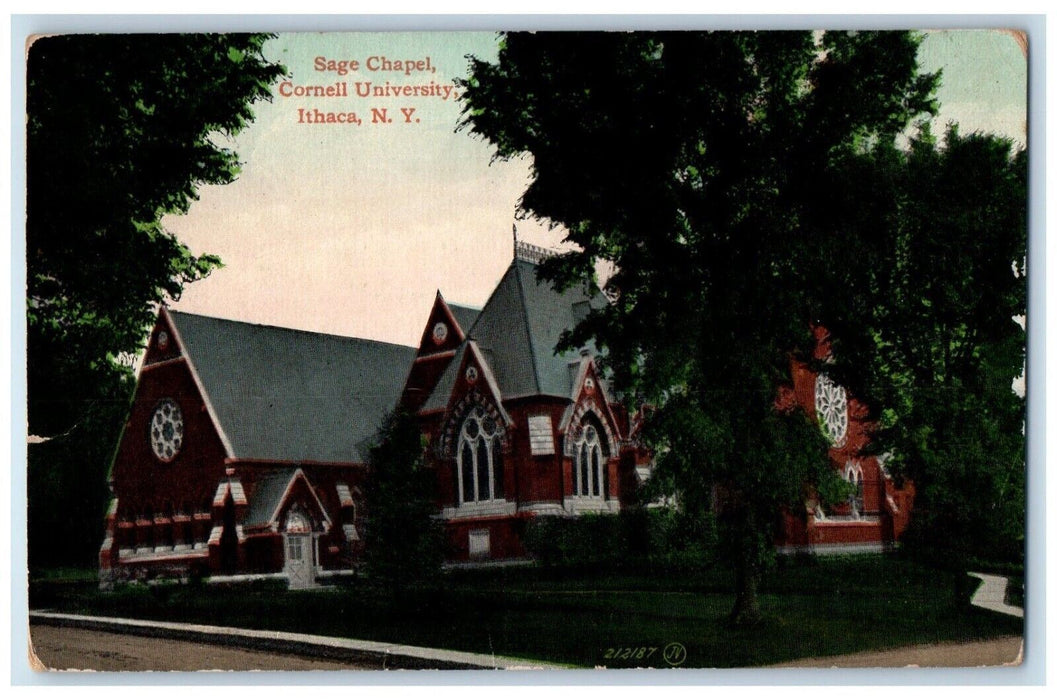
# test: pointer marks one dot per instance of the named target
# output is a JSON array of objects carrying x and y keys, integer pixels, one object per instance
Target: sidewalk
[
  {"x": 991, "y": 595},
  {"x": 389, "y": 656}
]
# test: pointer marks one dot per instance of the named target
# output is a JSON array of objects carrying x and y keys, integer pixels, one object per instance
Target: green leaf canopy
[
  {"x": 119, "y": 133},
  {"x": 699, "y": 166}
]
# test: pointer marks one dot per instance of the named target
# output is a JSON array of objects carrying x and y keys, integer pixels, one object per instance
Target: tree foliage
[
  {"x": 700, "y": 166},
  {"x": 931, "y": 337},
  {"x": 67, "y": 492},
  {"x": 403, "y": 540},
  {"x": 119, "y": 133}
]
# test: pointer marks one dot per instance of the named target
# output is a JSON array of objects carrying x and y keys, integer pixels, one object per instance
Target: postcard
[{"x": 560, "y": 350}]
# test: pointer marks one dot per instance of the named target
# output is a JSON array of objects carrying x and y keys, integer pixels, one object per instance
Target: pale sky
[{"x": 351, "y": 229}]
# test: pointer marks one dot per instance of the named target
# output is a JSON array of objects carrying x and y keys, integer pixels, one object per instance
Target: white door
[{"x": 299, "y": 565}]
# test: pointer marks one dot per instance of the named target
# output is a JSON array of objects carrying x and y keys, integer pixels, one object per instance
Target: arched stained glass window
[
  {"x": 590, "y": 464},
  {"x": 480, "y": 467},
  {"x": 596, "y": 470},
  {"x": 583, "y": 470},
  {"x": 853, "y": 473},
  {"x": 484, "y": 476},
  {"x": 466, "y": 470}
]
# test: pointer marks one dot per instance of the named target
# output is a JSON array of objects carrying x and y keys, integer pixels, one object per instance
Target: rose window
[
  {"x": 831, "y": 404},
  {"x": 166, "y": 430}
]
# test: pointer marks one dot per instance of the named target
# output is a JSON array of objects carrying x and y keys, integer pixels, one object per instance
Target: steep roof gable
[
  {"x": 444, "y": 330},
  {"x": 441, "y": 394},
  {"x": 161, "y": 345},
  {"x": 441, "y": 340},
  {"x": 520, "y": 326},
  {"x": 465, "y": 315},
  {"x": 590, "y": 394},
  {"x": 501, "y": 331},
  {"x": 288, "y": 395},
  {"x": 271, "y": 491}
]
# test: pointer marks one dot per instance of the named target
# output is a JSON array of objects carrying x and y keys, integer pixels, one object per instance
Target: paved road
[
  {"x": 69, "y": 648},
  {"x": 993, "y": 652}
]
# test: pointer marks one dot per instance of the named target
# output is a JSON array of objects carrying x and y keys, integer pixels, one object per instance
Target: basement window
[{"x": 480, "y": 543}]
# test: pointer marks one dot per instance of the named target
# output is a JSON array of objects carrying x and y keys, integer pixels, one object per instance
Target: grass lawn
[
  {"x": 1015, "y": 591},
  {"x": 824, "y": 607}
]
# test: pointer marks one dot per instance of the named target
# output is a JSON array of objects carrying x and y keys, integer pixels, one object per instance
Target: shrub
[{"x": 635, "y": 538}]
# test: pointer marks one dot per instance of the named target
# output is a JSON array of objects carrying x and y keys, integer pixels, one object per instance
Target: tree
[
  {"x": 120, "y": 132},
  {"x": 403, "y": 540},
  {"x": 67, "y": 492},
  {"x": 930, "y": 334},
  {"x": 698, "y": 166}
]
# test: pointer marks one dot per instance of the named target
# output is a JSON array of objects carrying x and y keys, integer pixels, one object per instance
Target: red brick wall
[
  {"x": 876, "y": 487},
  {"x": 538, "y": 477},
  {"x": 504, "y": 534},
  {"x": 144, "y": 483},
  {"x": 848, "y": 532}
]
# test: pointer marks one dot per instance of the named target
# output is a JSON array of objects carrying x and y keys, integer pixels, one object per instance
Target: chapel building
[{"x": 245, "y": 451}]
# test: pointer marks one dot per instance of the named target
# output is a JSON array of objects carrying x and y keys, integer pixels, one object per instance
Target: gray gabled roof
[
  {"x": 517, "y": 331},
  {"x": 520, "y": 326},
  {"x": 465, "y": 315},
  {"x": 438, "y": 398},
  {"x": 268, "y": 489},
  {"x": 284, "y": 394},
  {"x": 502, "y": 332}
]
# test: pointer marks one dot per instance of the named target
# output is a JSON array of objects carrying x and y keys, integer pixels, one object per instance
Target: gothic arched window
[
  {"x": 853, "y": 473},
  {"x": 590, "y": 464},
  {"x": 478, "y": 459}
]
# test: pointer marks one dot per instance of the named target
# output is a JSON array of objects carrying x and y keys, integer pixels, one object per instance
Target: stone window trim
[
  {"x": 585, "y": 412},
  {"x": 484, "y": 509},
  {"x": 447, "y": 446}
]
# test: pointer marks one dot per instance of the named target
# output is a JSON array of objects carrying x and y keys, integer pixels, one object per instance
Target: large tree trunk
[{"x": 746, "y": 610}]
